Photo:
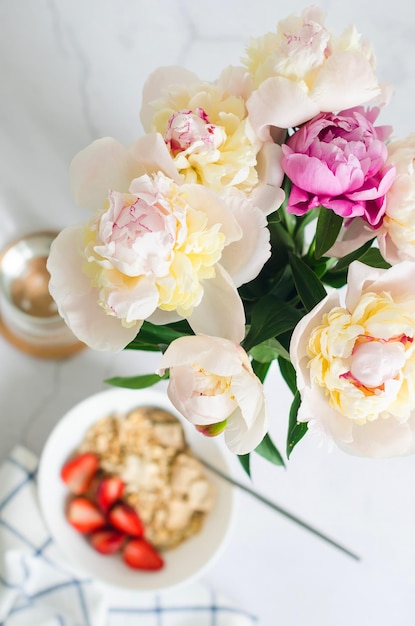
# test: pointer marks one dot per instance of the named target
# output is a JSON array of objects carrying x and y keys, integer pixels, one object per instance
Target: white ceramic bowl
[{"x": 182, "y": 564}]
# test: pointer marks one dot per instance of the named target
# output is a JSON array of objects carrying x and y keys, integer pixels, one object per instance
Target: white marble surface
[{"x": 71, "y": 71}]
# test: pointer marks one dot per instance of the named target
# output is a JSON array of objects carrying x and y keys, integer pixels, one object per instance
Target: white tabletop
[{"x": 72, "y": 71}]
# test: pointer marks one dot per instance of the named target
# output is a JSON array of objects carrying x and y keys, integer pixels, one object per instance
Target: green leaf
[
  {"x": 296, "y": 430},
  {"x": 288, "y": 373},
  {"x": 336, "y": 280},
  {"x": 268, "y": 451},
  {"x": 135, "y": 344},
  {"x": 152, "y": 336},
  {"x": 337, "y": 276},
  {"x": 308, "y": 285},
  {"x": 289, "y": 220},
  {"x": 270, "y": 317},
  {"x": 136, "y": 382},
  {"x": 245, "y": 461},
  {"x": 274, "y": 218},
  {"x": 281, "y": 235},
  {"x": 374, "y": 258},
  {"x": 345, "y": 261},
  {"x": 328, "y": 227},
  {"x": 306, "y": 219},
  {"x": 261, "y": 369},
  {"x": 300, "y": 227},
  {"x": 268, "y": 351}
]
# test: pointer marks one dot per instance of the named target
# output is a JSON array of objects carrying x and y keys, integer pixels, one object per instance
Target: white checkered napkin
[{"x": 37, "y": 589}]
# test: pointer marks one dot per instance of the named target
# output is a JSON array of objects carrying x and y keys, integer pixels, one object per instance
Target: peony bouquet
[{"x": 224, "y": 235}]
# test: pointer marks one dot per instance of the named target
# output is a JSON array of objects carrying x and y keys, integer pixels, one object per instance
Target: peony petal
[
  {"x": 135, "y": 303},
  {"x": 372, "y": 188},
  {"x": 221, "y": 312},
  {"x": 267, "y": 198},
  {"x": 268, "y": 195},
  {"x": 312, "y": 175},
  {"x": 241, "y": 438},
  {"x": 156, "y": 84},
  {"x": 300, "y": 201},
  {"x": 205, "y": 410},
  {"x": 382, "y": 438},
  {"x": 351, "y": 238},
  {"x": 159, "y": 317},
  {"x": 316, "y": 411},
  {"x": 390, "y": 252},
  {"x": 152, "y": 155},
  {"x": 198, "y": 409},
  {"x": 215, "y": 208},
  {"x": 345, "y": 80},
  {"x": 103, "y": 165},
  {"x": 281, "y": 103},
  {"x": 298, "y": 345},
  {"x": 214, "y": 354},
  {"x": 77, "y": 300},
  {"x": 249, "y": 394},
  {"x": 235, "y": 80},
  {"x": 362, "y": 278},
  {"x": 244, "y": 259},
  {"x": 359, "y": 277}
]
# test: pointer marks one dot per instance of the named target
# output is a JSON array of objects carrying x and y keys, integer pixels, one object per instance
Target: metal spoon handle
[{"x": 280, "y": 510}]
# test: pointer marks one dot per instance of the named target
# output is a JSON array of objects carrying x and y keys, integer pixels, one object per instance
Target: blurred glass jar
[{"x": 28, "y": 314}]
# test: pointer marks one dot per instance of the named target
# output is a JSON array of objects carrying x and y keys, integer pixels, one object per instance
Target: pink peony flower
[
  {"x": 214, "y": 387},
  {"x": 338, "y": 161}
]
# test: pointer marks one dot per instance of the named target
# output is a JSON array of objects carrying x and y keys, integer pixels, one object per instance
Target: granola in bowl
[
  {"x": 164, "y": 481},
  {"x": 84, "y": 504}
]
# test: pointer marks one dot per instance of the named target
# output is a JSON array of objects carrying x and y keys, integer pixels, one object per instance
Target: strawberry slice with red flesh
[
  {"x": 124, "y": 518},
  {"x": 140, "y": 554},
  {"x": 107, "y": 540},
  {"x": 84, "y": 515},
  {"x": 78, "y": 473},
  {"x": 109, "y": 490}
]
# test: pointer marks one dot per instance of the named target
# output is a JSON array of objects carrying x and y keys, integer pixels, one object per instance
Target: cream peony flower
[
  {"x": 355, "y": 364},
  {"x": 154, "y": 250},
  {"x": 396, "y": 238},
  {"x": 213, "y": 385},
  {"x": 302, "y": 70},
  {"x": 204, "y": 126}
]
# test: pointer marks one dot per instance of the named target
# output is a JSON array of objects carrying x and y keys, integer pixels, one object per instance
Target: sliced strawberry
[
  {"x": 124, "y": 518},
  {"x": 140, "y": 554},
  {"x": 79, "y": 472},
  {"x": 107, "y": 540},
  {"x": 109, "y": 490},
  {"x": 84, "y": 515}
]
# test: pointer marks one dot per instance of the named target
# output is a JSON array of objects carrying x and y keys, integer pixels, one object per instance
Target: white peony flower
[
  {"x": 355, "y": 364},
  {"x": 154, "y": 249},
  {"x": 213, "y": 385},
  {"x": 302, "y": 70},
  {"x": 396, "y": 238},
  {"x": 205, "y": 129}
]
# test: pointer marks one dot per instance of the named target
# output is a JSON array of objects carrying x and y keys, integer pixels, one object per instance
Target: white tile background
[{"x": 72, "y": 71}]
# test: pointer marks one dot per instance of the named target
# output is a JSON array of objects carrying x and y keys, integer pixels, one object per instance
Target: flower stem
[{"x": 280, "y": 510}]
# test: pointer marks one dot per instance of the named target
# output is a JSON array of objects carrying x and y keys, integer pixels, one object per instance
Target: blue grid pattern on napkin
[{"x": 38, "y": 589}]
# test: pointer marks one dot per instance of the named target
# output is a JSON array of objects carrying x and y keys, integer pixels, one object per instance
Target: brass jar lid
[{"x": 29, "y": 319}]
